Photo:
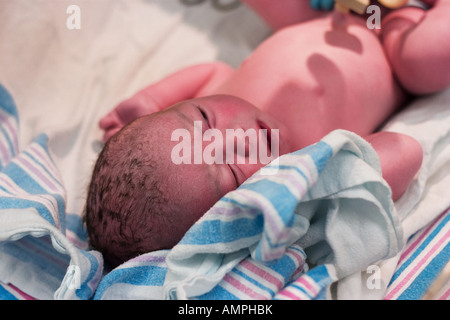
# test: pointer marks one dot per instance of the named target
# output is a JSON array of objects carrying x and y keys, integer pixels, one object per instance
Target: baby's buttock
[{"x": 329, "y": 73}]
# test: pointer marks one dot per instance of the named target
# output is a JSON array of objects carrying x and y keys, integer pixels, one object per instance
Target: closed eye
[{"x": 204, "y": 115}]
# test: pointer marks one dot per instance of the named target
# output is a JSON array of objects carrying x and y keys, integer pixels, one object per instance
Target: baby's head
[{"x": 149, "y": 186}]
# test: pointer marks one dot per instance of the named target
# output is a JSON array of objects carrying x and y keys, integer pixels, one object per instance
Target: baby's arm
[
  {"x": 185, "y": 84},
  {"x": 417, "y": 43},
  {"x": 400, "y": 158},
  {"x": 282, "y": 13}
]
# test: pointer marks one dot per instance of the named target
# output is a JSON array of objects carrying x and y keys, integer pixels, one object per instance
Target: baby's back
[{"x": 318, "y": 76}]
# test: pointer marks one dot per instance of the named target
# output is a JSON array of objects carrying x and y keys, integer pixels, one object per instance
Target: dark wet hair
[{"x": 126, "y": 212}]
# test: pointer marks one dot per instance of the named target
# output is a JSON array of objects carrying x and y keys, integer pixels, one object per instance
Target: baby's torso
[{"x": 318, "y": 76}]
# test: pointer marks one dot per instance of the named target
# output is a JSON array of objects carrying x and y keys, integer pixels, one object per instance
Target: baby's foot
[{"x": 127, "y": 111}]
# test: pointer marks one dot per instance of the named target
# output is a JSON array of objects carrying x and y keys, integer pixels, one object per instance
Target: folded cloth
[
  {"x": 327, "y": 202},
  {"x": 36, "y": 256}
]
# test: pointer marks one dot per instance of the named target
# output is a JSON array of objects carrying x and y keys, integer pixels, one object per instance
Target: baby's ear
[{"x": 400, "y": 157}]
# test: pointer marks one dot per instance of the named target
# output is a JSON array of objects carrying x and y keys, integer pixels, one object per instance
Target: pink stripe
[
  {"x": 243, "y": 288},
  {"x": 299, "y": 183},
  {"x": 11, "y": 186},
  {"x": 289, "y": 294},
  {"x": 262, "y": 274},
  {"x": 310, "y": 168},
  {"x": 297, "y": 256},
  {"x": 445, "y": 295},
  {"x": 20, "y": 292},
  {"x": 43, "y": 156},
  {"x": 45, "y": 201},
  {"x": 307, "y": 285},
  {"x": 269, "y": 222},
  {"x": 11, "y": 135},
  {"x": 411, "y": 274},
  {"x": 73, "y": 238},
  {"x": 423, "y": 235},
  {"x": 27, "y": 164},
  {"x": 11, "y": 125},
  {"x": 45, "y": 253},
  {"x": 301, "y": 264},
  {"x": 155, "y": 259},
  {"x": 6, "y": 156}
]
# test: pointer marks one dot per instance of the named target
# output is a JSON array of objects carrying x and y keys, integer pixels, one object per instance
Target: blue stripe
[
  {"x": 320, "y": 152},
  {"x": 242, "y": 206},
  {"x": 34, "y": 252},
  {"x": 42, "y": 249},
  {"x": 75, "y": 224},
  {"x": 423, "y": 281},
  {"x": 285, "y": 267},
  {"x": 294, "y": 168},
  {"x": 138, "y": 276},
  {"x": 422, "y": 247},
  {"x": 8, "y": 105},
  {"x": 49, "y": 174},
  {"x": 5, "y": 190},
  {"x": 7, "y": 102},
  {"x": 253, "y": 281},
  {"x": 42, "y": 140},
  {"x": 300, "y": 288},
  {"x": 12, "y": 149},
  {"x": 322, "y": 295},
  {"x": 6, "y": 295},
  {"x": 85, "y": 291},
  {"x": 216, "y": 231},
  {"x": 22, "y": 179},
  {"x": 321, "y": 277},
  {"x": 17, "y": 203},
  {"x": 279, "y": 196}
]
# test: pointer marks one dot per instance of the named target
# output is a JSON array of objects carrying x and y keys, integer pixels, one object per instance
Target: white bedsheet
[{"x": 64, "y": 80}]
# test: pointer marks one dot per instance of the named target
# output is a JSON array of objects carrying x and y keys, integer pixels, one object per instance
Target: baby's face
[{"x": 194, "y": 179}]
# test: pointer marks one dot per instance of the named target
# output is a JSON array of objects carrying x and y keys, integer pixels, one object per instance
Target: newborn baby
[{"x": 327, "y": 73}]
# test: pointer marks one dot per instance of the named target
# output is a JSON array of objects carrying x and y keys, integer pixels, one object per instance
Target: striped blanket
[
  {"x": 289, "y": 232},
  {"x": 426, "y": 254},
  {"x": 37, "y": 256}
]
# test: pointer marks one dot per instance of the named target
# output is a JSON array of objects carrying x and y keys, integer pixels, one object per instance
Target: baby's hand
[
  {"x": 127, "y": 111},
  {"x": 326, "y": 5}
]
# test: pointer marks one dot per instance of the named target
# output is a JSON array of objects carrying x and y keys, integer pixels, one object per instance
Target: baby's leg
[
  {"x": 417, "y": 43},
  {"x": 185, "y": 84},
  {"x": 282, "y": 13},
  {"x": 400, "y": 158}
]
